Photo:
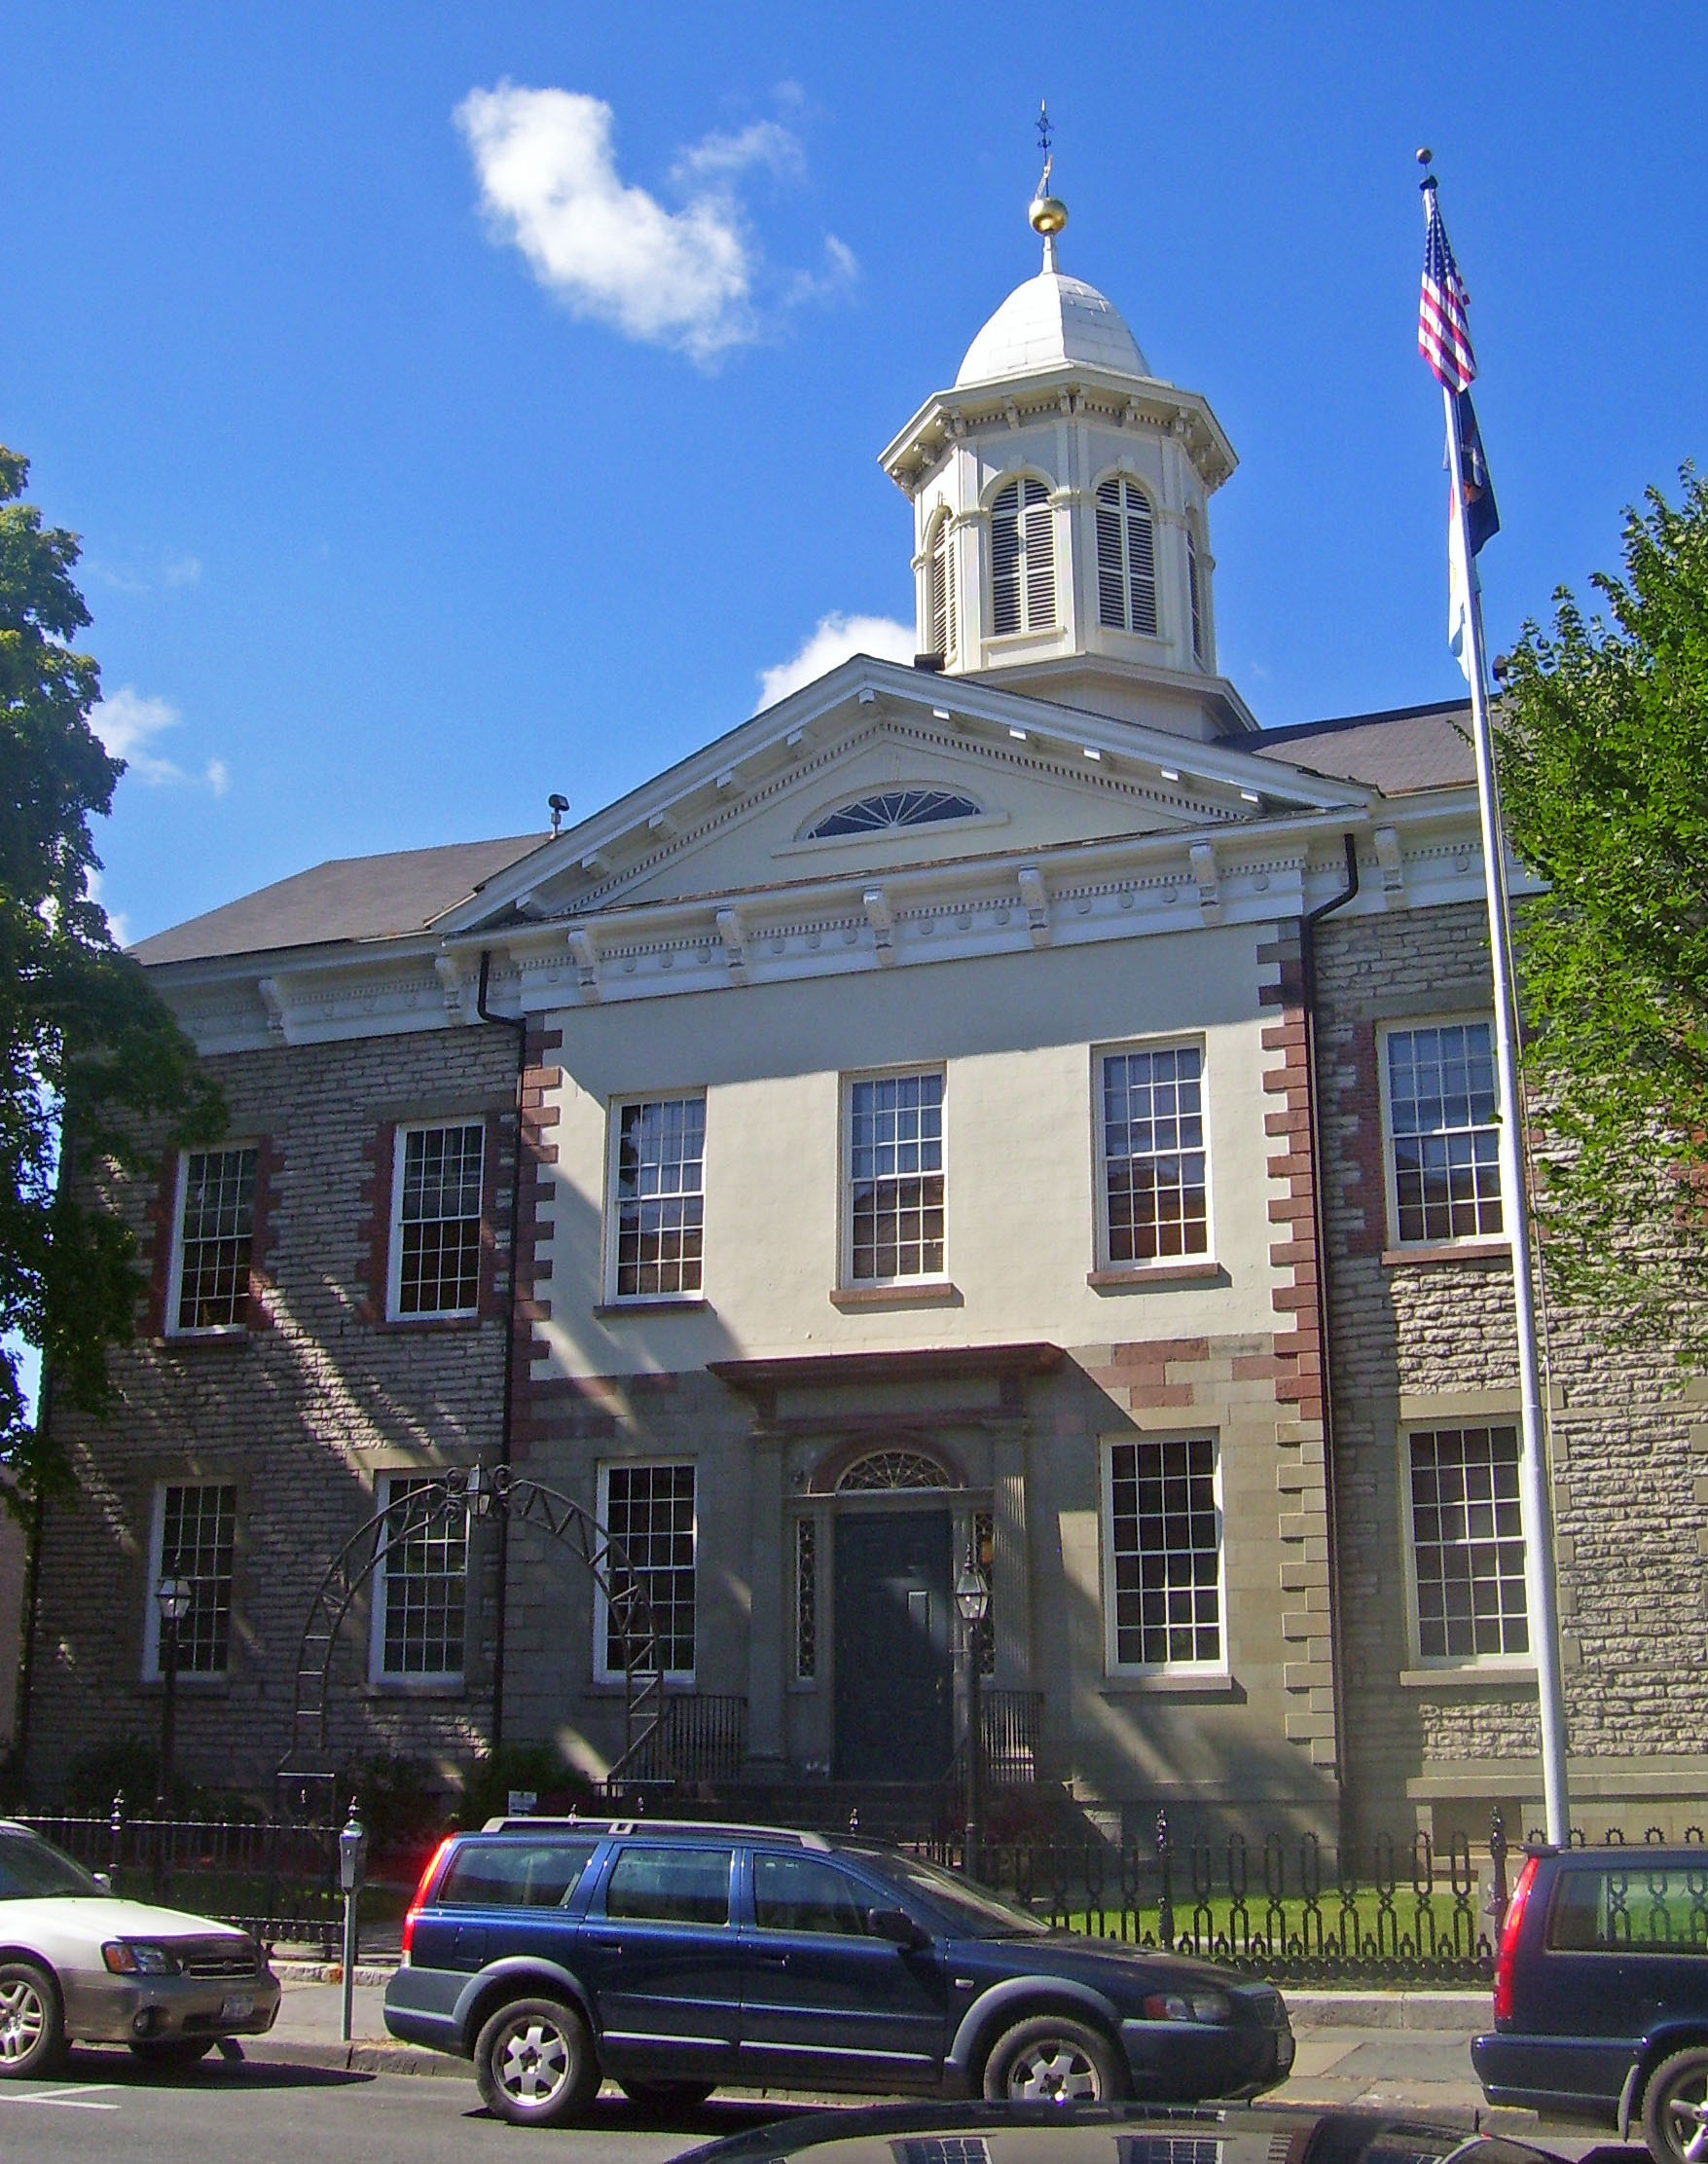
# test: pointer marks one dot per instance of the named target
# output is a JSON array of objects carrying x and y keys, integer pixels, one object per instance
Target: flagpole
[{"x": 1534, "y": 1501}]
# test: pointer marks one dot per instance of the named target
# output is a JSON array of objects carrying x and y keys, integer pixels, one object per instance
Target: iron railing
[
  {"x": 701, "y": 1736},
  {"x": 275, "y": 1878}
]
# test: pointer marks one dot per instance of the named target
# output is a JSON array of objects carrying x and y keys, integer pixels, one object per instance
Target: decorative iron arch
[{"x": 487, "y": 1491}]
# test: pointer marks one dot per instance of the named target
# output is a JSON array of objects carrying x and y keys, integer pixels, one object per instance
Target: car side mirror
[{"x": 897, "y": 1927}]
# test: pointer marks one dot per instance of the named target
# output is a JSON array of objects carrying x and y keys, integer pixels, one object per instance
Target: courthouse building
[{"x": 1012, "y": 1105}]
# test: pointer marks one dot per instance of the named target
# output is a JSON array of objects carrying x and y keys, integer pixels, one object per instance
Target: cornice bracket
[
  {"x": 1392, "y": 860},
  {"x": 1036, "y": 898},
  {"x": 882, "y": 920},
  {"x": 1207, "y": 873},
  {"x": 733, "y": 935},
  {"x": 584, "y": 953}
]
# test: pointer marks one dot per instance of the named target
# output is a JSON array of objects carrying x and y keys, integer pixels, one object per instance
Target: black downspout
[
  {"x": 1308, "y": 924},
  {"x": 519, "y": 1023}
]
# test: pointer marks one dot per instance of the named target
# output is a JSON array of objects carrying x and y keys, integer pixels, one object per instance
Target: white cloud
[
  {"x": 181, "y": 571},
  {"x": 127, "y": 722},
  {"x": 833, "y": 639},
  {"x": 612, "y": 251},
  {"x": 118, "y": 922}
]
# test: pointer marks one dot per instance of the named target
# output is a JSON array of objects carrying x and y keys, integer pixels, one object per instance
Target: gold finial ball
[{"x": 1049, "y": 214}]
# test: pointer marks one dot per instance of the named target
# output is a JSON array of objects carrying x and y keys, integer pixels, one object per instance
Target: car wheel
[
  {"x": 176, "y": 2055},
  {"x": 32, "y": 2021},
  {"x": 1675, "y": 2109},
  {"x": 534, "y": 2063},
  {"x": 1053, "y": 2060},
  {"x": 667, "y": 2096}
]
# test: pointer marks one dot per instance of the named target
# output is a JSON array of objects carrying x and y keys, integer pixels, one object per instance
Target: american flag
[{"x": 1443, "y": 330}]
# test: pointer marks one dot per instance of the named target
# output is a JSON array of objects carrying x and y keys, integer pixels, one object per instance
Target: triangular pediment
[{"x": 1021, "y": 774}]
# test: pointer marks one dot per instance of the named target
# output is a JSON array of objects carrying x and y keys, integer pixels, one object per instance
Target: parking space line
[{"x": 79, "y": 2099}]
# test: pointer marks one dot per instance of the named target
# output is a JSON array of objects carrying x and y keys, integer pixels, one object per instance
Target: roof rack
[{"x": 601, "y": 1827}]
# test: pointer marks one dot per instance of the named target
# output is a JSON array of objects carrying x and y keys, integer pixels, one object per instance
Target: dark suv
[
  {"x": 1601, "y": 1994},
  {"x": 676, "y": 1957}
]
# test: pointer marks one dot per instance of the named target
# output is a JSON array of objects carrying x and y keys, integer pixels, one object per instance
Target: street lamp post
[
  {"x": 174, "y": 1596},
  {"x": 972, "y": 1596}
]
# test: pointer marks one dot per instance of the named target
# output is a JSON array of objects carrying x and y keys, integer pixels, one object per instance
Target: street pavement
[{"x": 301, "y": 2093}]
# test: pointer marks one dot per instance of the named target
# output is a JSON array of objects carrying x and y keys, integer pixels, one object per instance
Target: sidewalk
[{"x": 1407, "y": 2050}]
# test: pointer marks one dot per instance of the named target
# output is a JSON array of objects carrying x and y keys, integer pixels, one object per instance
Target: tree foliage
[
  {"x": 1603, "y": 737},
  {"x": 93, "y": 1060}
]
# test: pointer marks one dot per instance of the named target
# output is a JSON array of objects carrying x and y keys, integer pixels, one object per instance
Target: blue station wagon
[{"x": 678, "y": 1957}]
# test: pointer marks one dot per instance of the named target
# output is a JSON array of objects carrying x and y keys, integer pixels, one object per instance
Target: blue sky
[{"x": 400, "y": 514}]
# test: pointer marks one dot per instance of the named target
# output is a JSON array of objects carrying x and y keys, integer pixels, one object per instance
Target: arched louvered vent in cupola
[
  {"x": 1126, "y": 559},
  {"x": 1023, "y": 559},
  {"x": 892, "y": 810},
  {"x": 941, "y": 593}
]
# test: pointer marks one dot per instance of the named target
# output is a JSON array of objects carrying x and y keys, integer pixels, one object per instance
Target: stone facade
[
  {"x": 1419, "y": 1340},
  {"x": 302, "y": 1410}
]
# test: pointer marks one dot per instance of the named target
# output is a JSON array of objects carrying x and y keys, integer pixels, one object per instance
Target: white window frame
[
  {"x": 429, "y": 1681},
  {"x": 395, "y": 1310},
  {"x": 615, "y": 1112},
  {"x": 845, "y": 1278},
  {"x": 1113, "y": 1666},
  {"x": 602, "y": 1672},
  {"x": 1409, "y": 1026},
  {"x": 1157, "y": 1266},
  {"x": 152, "y": 1672},
  {"x": 172, "y": 1326},
  {"x": 1450, "y": 1664}
]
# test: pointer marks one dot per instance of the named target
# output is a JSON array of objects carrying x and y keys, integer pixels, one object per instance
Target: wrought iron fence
[{"x": 278, "y": 1877}]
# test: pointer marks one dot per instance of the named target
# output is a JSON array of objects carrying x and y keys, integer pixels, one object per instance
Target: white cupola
[{"x": 1060, "y": 527}]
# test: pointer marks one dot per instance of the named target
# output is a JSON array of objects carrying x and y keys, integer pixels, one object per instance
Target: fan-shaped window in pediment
[
  {"x": 892, "y": 810},
  {"x": 880, "y": 1470}
]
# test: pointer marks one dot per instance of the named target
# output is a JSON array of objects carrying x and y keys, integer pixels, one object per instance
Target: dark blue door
[
  {"x": 895, "y": 1686},
  {"x": 660, "y": 1955},
  {"x": 821, "y": 1995}
]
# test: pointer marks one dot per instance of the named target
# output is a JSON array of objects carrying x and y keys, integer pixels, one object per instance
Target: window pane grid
[
  {"x": 1443, "y": 1132},
  {"x": 895, "y": 1172},
  {"x": 649, "y": 1513},
  {"x": 660, "y": 1153},
  {"x": 439, "y": 1220},
  {"x": 218, "y": 1229},
  {"x": 426, "y": 1585},
  {"x": 1154, "y": 1159},
  {"x": 197, "y": 1530},
  {"x": 1468, "y": 1540},
  {"x": 1165, "y": 1545}
]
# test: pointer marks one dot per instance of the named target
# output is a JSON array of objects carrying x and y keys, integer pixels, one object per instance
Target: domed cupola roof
[{"x": 1049, "y": 321}]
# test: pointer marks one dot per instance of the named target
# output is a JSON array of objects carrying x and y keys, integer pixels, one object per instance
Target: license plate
[{"x": 238, "y": 2007}]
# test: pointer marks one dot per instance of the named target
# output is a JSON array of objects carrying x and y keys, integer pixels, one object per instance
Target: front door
[{"x": 895, "y": 1695}]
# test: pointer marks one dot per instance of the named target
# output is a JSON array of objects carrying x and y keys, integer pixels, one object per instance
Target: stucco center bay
[{"x": 1015, "y": 1037}]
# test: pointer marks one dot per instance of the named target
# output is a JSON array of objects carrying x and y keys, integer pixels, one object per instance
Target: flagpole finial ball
[
  {"x": 1426, "y": 157},
  {"x": 1049, "y": 214}
]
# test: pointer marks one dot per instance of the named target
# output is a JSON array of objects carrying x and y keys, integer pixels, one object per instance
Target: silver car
[{"x": 79, "y": 1965}]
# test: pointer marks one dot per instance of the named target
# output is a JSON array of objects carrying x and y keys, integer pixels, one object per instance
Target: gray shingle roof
[
  {"x": 349, "y": 899},
  {"x": 1410, "y": 748}
]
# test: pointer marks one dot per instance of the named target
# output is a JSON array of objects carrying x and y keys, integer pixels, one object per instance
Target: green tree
[
  {"x": 1603, "y": 738},
  {"x": 93, "y": 1060}
]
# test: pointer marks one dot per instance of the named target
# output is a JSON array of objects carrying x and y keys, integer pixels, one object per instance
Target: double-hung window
[
  {"x": 1155, "y": 1181},
  {"x": 1023, "y": 559},
  {"x": 1468, "y": 1544},
  {"x": 1163, "y": 1554},
  {"x": 894, "y": 1206},
  {"x": 658, "y": 1192},
  {"x": 194, "y": 1538},
  {"x": 215, "y": 1234},
  {"x": 1443, "y": 1133},
  {"x": 421, "y": 1601},
  {"x": 436, "y": 1220},
  {"x": 648, "y": 1510}
]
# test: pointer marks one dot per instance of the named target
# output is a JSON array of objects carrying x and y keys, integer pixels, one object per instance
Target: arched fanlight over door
[{"x": 879, "y": 1471}]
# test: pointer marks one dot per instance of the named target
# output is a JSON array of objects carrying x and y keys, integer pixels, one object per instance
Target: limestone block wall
[
  {"x": 1417, "y": 1341},
  {"x": 302, "y": 1411}
]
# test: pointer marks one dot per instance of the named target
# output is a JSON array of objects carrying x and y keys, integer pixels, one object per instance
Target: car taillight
[
  {"x": 421, "y": 1900},
  {"x": 1507, "y": 1959}
]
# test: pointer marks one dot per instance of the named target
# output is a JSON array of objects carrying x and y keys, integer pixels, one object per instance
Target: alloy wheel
[
  {"x": 23, "y": 2018},
  {"x": 531, "y": 2063},
  {"x": 1053, "y": 2070}
]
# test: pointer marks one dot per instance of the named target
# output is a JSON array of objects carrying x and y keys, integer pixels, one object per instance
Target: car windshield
[
  {"x": 31, "y": 1868},
  {"x": 968, "y": 1907}
]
